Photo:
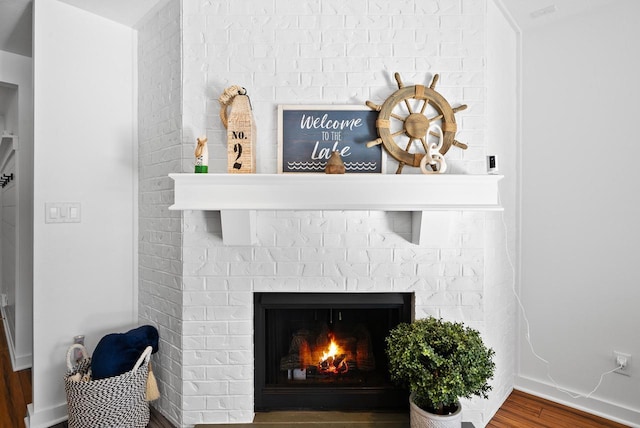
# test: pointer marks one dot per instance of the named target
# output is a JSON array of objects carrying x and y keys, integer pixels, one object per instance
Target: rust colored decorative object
[{"x": 335, "y": 164}]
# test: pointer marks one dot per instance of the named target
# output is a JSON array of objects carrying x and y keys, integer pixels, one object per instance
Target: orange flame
[{"x": 332, "y": 352}]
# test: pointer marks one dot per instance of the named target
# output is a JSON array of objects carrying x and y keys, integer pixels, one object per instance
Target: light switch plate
[{"x": 62, "y": 212}]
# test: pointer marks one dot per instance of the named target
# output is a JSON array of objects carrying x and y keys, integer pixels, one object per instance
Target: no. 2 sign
[{"x": 241, "y": 136}]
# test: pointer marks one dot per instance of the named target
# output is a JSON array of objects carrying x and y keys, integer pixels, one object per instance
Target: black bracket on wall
[{"x": 6, "y": 179}]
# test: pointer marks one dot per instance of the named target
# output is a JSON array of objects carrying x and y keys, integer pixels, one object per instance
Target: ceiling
[
  {"x": 16, "y": 15},
  {"x": 15, "y": 26},
  {"x": 16, "y": 18},
  {"x": 528, "y": 14}
]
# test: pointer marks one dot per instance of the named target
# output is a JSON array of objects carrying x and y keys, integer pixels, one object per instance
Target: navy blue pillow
[{"x": 117, "y": 353}]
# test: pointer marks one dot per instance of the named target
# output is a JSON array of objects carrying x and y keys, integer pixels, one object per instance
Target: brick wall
[
  {"x": 312, "y": 251},
  {"x": 312, "y": 52},
  {"x": 330, "y": 51},
  {"x": 160, "y": 237}
]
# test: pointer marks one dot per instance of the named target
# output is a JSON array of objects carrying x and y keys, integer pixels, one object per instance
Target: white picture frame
[{"x": 308, "y": 134}]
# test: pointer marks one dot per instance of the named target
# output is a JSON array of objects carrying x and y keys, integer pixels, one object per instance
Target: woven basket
[{"x": 118, "y": 401}]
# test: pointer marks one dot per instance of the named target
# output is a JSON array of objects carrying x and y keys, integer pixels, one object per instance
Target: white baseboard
[
  {"x": 591, "y": 405},
  {"x": 18, "y": 362},
  {"x": 45, "y": 418}
]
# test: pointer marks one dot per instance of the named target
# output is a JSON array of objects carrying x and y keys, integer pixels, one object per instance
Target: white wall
[
  {"x": 85, "y": 151},
  {"x": 17, "y": 70},
  {"x": 8, "y": 252},
  {"x": 580, "y": 207},
  {"x": 500, "y": 232},
  {"x": 331, "y": 52}
]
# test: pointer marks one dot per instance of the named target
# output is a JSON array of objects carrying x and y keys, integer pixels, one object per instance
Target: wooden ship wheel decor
[{"x": 417, "y": 116}]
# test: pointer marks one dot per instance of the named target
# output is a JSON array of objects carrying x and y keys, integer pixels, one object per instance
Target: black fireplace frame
[{"x": 382, "y": 398}]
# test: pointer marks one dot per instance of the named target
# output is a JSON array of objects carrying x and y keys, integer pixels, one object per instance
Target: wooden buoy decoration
[{"x": 241, "y": 130}]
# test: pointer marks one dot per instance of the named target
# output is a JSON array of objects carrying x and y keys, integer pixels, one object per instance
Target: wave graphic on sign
[
  {"x": 320, "y": 166},
  {"x": 361, "y": 166},
  {"x": 307, "y": 166}
]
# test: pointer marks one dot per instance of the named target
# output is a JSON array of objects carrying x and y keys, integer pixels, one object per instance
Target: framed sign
[{"x": 308, "y": 134}]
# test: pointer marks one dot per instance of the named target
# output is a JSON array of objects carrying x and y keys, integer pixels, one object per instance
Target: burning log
[
  {"x": 337, "y": 364},
  {"x": 333, "y": 359},
  {"x": 329, "y": 353},
  {"x": 299, "y": 356}
]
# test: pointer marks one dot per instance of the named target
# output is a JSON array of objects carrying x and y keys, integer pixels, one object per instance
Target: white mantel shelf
[{"x": 239, "y": 196}]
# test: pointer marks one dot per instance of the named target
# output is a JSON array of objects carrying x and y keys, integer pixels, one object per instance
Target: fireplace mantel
[{"x": 239, "y": 196}]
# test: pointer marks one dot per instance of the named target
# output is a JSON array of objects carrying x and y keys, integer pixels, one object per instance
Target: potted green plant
[{"x": 440, "y": 362}]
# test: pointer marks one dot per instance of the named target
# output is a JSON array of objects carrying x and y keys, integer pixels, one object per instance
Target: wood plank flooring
[
  {"x": 155, "y": 421},
  {"x": 520, "y": 410},
  {"x": 15, "y": 390}
]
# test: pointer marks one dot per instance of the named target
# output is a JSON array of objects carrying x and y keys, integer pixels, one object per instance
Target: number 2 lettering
[{"x": 237, "y": 148}]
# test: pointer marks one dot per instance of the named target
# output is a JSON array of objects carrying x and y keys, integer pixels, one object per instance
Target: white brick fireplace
[
  {"x": 198, "y": 291},
  {"x": 319, "y": 251},
  {"x": 316, "y": 251}
]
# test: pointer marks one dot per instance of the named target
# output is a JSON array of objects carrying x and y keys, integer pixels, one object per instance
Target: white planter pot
[{"x": 423, "y": 419}]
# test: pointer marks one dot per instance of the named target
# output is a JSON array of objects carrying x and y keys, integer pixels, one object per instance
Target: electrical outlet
[
  {"x": 624, "y": 360},
  {"x": 4, "y": 301}
]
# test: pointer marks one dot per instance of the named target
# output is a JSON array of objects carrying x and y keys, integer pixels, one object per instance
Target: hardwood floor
[
  {"x": 15, "y": 390},
  {"x": 519, "y": 411},
  {"x": 155, "y": 421},
  {"x": 522, "y": 410}
]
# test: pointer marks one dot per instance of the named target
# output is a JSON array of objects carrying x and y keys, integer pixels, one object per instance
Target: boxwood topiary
[{"x": 440, "y": 362}]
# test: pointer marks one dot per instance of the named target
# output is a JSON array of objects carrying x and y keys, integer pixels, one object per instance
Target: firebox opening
[{"x": 325, "y": 351}]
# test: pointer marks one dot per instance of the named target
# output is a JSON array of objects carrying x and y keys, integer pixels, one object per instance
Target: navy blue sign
[{"x": 309, "y": 134}]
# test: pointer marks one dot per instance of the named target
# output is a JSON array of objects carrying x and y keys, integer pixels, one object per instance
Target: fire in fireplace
[
  {"x": 329, "y": 351},
  {"x": 325, "y": 351}
]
